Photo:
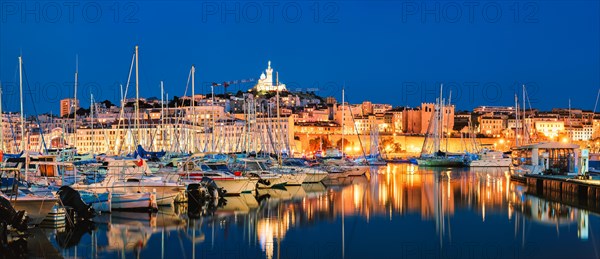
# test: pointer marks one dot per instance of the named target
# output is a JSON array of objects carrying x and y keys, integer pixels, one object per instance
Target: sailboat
[
  {"x": 374, "y": 158},
  {"x": 127, "y": 176},
  {"x": 36, "y": 206},
  {"x": 195, "y": 168},
  {"x": 341, "y": 168},
  {"x": 431, "y": 153}
]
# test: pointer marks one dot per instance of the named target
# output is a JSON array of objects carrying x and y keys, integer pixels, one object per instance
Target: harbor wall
[
  {"x": 395, "y": 146},
  {"x": 583, "y": 193}
]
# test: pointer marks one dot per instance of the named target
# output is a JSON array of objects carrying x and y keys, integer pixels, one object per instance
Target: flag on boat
[{"x": 140, "y": 161}]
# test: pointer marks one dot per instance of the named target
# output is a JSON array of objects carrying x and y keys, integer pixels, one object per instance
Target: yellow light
[
  {"x": 565, "y": 140},
  {"x": 501, "y": 141}
]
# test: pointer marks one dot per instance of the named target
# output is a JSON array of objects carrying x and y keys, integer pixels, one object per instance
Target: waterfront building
[
  {"x": 312, "y": 115},
  {"x": 318, "y": 128},
  {"x": 494, "y": 109},
  {"x": 580, "y": 132},
  {"x": 345, "y": 116},
  {"x": 379, "y": 108},
  {"x": 392, "y": 122},
  {"x": 411, "y": 120},
  {"x": 492, "y": 125},
  {"x": 68, "y": 106},
  {"x": 550, "y": 128},
  {"x": 330, "y": 100},
  {"x": 367, "y": 108},
  {"x": 426, "y": 116}
]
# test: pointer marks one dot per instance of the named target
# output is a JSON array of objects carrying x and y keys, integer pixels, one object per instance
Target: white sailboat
[
  {"x": 257, "y": 168},
  {"x": 127, "y": 176},
  {"x": 313, "y": 174},
  {"x": 491, "y": 158},
  {"x": 36, "y": 206},
  {"x": 194, "y": 170},
  {"x": 431, "y": 153}
]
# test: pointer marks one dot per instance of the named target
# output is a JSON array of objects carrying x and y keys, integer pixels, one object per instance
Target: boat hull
[
  {"x": 504, "y": 162},
  {"x": 441, "y": 162},
  {"x": 98, "y": 201},
  {"x": 134, "y": 201},
  {"x": 315, "y": 177},
  {"x": 293, "y": 178},
  {"x": 37, "y": 208},
  {"x": 271, "y": 182},
  {"x": 165, "y": 193},
  {"x": 356, "y": 170},
  {"x": 237, "y": 186}
]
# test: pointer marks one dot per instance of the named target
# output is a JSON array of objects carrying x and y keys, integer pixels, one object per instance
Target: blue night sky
[{"x": 394, "y": 52}]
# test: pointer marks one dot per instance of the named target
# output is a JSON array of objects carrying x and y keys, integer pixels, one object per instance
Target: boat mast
[
  {"x": 92, "y": 122},
  {"x": 438, "y": 120},
  {"x": 1, "y": 122},
  {"x": 212, "y": 109},
  {"x": 516, "y": 121},
  {"x": 570, "y": 125},
  {"x": 137, "y": 97},
  {"x": 75, "y": 101},
  {"x": 21, "y": 95},
  {"x": 343, "y": 119},
  {"x": 524, "y": 124},
  {"x": 193, "y": 111},
  {"x": 448, "y": 120},
  {"x": 279, "y": 139},
  {"x": 162, "y": 114}
]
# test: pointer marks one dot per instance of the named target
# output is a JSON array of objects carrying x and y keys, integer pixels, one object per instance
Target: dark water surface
[{"x": 399, "y": 211}]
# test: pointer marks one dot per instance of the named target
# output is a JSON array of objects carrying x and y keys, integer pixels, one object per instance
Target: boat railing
[{"x": 17, "y": 167}]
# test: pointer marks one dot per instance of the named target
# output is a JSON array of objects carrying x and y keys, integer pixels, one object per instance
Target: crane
[{"x": 226, "y": 84}]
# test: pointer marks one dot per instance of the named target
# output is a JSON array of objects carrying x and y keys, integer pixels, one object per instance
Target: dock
[{"x": 584, "y": 192}]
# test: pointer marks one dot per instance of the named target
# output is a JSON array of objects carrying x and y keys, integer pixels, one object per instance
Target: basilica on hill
[{"x": 266, "y": 83}]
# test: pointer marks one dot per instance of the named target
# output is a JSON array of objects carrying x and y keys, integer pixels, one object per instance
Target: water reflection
[{"x": 398, "y": 211}]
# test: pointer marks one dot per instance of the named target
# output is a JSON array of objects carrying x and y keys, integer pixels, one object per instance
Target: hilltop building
[{"x": 266, "y": 82}]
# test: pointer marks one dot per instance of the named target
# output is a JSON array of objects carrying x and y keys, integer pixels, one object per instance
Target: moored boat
[
  {"x": 134, "y": 201},
  {"x": 133, "y": 176},
  {"x": 37, "y": 207}
]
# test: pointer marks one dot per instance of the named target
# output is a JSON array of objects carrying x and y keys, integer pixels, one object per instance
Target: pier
[{"x": 581, "y": 192}]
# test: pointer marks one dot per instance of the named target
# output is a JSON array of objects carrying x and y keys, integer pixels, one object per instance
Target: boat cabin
[{"x": 547, "y": 158}]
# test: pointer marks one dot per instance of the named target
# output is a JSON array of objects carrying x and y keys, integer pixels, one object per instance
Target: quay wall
[
  {"x": 409, "y": 145},
  {"x": 584, "y": 193}
]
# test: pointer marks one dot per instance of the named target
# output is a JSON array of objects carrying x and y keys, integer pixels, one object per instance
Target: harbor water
[{"x": 396, "y": 211}]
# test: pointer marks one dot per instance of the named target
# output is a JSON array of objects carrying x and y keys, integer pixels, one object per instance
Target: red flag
[{"x": 139, "y": 162}]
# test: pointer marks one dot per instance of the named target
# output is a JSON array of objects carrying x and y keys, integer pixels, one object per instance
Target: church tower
[{"x": 266, "y": 83}]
